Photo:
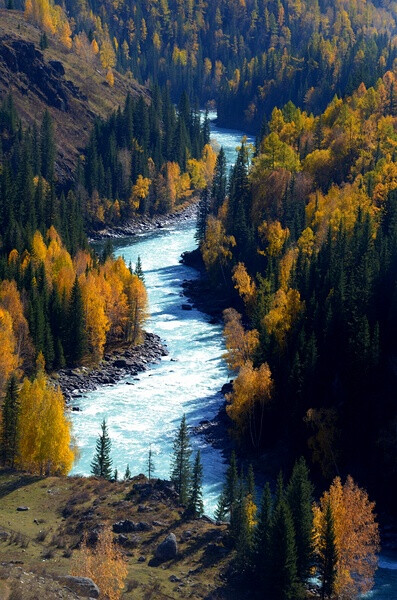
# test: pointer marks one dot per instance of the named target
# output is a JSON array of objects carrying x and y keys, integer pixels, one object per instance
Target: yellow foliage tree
[
  {"x": 240, "y": 344},
  {"x": 45, "y": 445},
  {"x": 252, "y": 391},
  {"x": 244, "y": 284},
  {"x": 286, "y": 307},
  {"x": 9, "y": 360},
  {"x": 139, "y": 192},
  {"x": 96, "y": 320},
  {"x": 10, "y": 300},
  {"x": 274, "y": 236},
  {"x": 110, "y": 78},
  {"x": 138, "y": 309},
  {"x": 216, "y": 247},
  {"x": 356, "y": 536},
  {"x": 104, "y": 564}
]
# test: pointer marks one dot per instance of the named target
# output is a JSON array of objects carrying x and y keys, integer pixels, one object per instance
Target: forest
[
  {"x": 297, "y": 242},
  {"x": 246, "y": 56},
  {"x": 302, "y": 238}
]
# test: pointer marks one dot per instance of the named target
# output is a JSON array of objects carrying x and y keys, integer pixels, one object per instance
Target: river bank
[
  {"x": 144, "y": 224},
  {"x": 117, "y": 363}
]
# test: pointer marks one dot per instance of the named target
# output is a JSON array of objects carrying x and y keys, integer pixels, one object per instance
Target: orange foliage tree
[
  {"x": 104, "y": 564},
  {"x": 356, "y": 536},
  {"x": 8, "y": 356}
]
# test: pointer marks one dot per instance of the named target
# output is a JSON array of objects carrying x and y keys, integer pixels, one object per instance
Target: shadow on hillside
[{"x": 11, "y": 480}]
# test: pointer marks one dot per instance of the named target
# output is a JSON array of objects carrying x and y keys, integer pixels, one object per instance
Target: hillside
[
  {"x": 42, "y": 543},
  {"x": 75, "y": 92}
]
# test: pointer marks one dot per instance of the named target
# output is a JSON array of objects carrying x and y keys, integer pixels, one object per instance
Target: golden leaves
[
  {"x": 45, "y": 445},
  {"x": 356, "y": 536},
  {"x": 104, "y": 564},
  {"x": 252, "y": 391},
  {"x": 286, "y": 308},
  {"x": 9, "y": 360},
  {"x": 240, "y": 344}
]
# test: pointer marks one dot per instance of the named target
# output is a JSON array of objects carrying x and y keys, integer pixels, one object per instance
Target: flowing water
[{"x": 146, "y": 410}]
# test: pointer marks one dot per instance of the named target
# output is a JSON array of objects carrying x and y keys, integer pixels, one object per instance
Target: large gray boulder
[
  {"x": 82, "y": 586},
  {"x": 167, "y": 549}
]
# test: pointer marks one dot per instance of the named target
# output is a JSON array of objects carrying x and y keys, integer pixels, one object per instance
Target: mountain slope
[{"x": 75, "y": 92}]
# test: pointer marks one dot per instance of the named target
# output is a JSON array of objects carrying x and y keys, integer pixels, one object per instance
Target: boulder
[
  {"x": 120, "y": 363},
  {"x": 187, "y": 307},
  {"x": 168, "y": 549},
  {"x": 82, "y": 586},
  {"x": 125, "y": 526}
]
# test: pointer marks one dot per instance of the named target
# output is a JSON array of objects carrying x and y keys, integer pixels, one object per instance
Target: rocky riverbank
[
  {"x": 116, "y": 365},
  {"x": 142, "y": 224}
]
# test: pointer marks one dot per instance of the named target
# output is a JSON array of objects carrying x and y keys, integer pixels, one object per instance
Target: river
[{"x": 146, "y": 410}]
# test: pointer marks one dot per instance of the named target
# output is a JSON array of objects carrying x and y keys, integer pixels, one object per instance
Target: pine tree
[
  {"x": 219, "y": 182},
  {"x": 127, "y": 474},
  {"x": 299, "y": 497},
  {"x": 262, "y": 538},
  {"x": 283, "y": 582},
  {"x": 101, "y": 465},
  {"x": 9, "y": 429},
  {"x": 138, "y": 269},
  {"x": 328, "y": 556},
  {"x": 202, "y": 214},
  {"x": 181, "y": 470},
  {"x": 115, "y": 475},
  {"x": 196, "y": 506},
  {"x": 150, "y": 464},
  {"x": 221, "y": 508},
  {"x": 76, "y": 325},
  {"x": 240, "y": 530},
  {"x": 283, "y": 577},
  {"x": 231, "y": 484}
]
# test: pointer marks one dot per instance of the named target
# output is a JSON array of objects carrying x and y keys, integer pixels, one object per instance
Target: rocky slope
[
  {"x": 168, "y": 556},
  {"x": 74, "y": 91}
]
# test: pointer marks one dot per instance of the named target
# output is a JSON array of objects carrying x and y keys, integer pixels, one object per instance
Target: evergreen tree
[
  {"x": 138, "y": 269},
  {"x": 76, "y": 325},
  {"x": 231, "y": 484},
  {"x": 329, "y": 556},
  {"x": 202, "y": 214},
  {"x": 283, "y": 573},
  {"x": 9, "y": 423},
  {"x": 241, "y": 531},
  {"x": 219, "y": 182},
  {"x": 262, "y": 539},
  {"x": 115, "y": 475},
  {"x": 221, "y": 508},
  {"x": 181, "y": 470},
  {"x": 47, "y": 147},
  {"x": 299, "y": 497},
  {"x": 101, "y": 465},
  {"x": 127, "y": 474},
  {"x": 108, "y": 251},
  {"x": 150, "y": 464},
  {"x": 196, "y": 506}
]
